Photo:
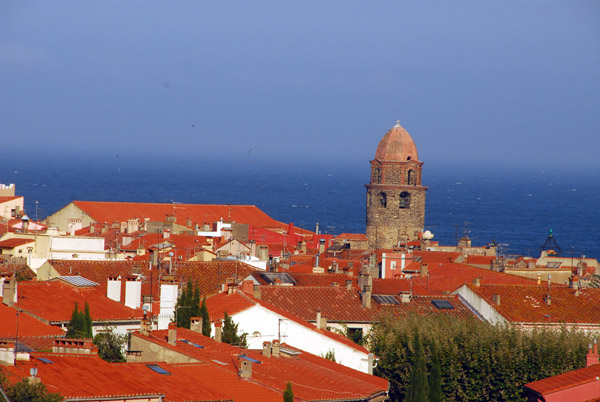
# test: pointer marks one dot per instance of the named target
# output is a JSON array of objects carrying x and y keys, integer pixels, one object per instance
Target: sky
[{"x": 476, "y": 83}]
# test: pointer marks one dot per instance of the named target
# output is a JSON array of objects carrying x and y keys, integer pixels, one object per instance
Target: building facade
[{"x": 395, "y": 195}]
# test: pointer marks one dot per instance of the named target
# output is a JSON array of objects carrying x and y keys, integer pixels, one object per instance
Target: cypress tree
[
  {"x": 205, "y": 319},
  {"x": 435, "y": 379},
  {"x": 418, "y": 389},
  {"x": 88, "y": 322},
  {"x": 288, "y": 394},
  {"x": 77, "y": 324},
  {"x": 230, "y": 335}
]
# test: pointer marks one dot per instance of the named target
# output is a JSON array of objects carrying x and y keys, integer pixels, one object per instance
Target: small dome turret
[{"x": 397, "y": 145}]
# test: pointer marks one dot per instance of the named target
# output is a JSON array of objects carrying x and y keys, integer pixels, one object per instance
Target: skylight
[
  {"x": 43, "y": 359},
  {"x": 78, "y": 281},
  {"x": 283, "y": 277},
  {"x": 158, "y": 369},
  {"x": 250, "y": 359},
  {"x": 442, "y": 304},
  {"x": 192, "y": 343}
]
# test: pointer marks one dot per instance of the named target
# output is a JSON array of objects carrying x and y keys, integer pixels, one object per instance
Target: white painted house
[{"x": 263, "y": 322}]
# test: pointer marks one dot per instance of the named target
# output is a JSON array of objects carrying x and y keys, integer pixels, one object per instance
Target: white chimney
[
  {"x": 168, "y": 299},
  {"x": 113, "y": 288},
  {"x": 133, "y": 292}
]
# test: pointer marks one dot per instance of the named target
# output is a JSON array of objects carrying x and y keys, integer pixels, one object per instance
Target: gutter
[{"x": 115, "y": 398}]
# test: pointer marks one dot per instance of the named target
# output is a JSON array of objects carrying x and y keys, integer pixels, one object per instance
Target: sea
[{"x": 516, "y": 208}]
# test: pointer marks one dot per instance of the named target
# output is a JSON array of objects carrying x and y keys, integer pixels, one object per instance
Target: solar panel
[
  {"x": 250, "y": 359},
  {"x": 219, "y": 362},
  {"x": 78, "y": 281},
  {"x": 385, "y": 299},
  {"x": 442, "y": 304},
  {"x": 158, "y": 369},
  {"x": 43, "y": 359},
  {"x": 192, "y": 343}
]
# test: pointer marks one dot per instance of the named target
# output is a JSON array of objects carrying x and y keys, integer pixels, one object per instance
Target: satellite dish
[{"x": 428, "y": 235}]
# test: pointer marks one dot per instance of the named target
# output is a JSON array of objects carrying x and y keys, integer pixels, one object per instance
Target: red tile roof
[
  {"x": 423, "y": 305},
  {"x": 28, "y": 326},
  {"x": 445, "y": 277},
  {"x": 566, "y": 380},
  {"x": 525, "y": 304},
  {"x": 337, "y": 303},
  {"x": 12, "y": 243},
  {"x": 89, "y": 377},
  {"x": 312, "y": 377},
  {"x": 122, "y": 211},
  {"x": 54, "y": 301},
  {"x": 6, "y": 198}
]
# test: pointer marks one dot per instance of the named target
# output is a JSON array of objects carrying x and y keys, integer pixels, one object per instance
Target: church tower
[{"x": 395, "y": 196}]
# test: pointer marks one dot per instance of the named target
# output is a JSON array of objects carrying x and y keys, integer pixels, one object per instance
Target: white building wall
[
  {"x": 262, "y": 325},
  {"x": 85, "y": 248},
  {"x": 168, "y": 300},
  {"x": 483, "y": 307}
]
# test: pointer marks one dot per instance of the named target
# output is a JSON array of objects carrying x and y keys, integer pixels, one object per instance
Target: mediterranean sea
[{"x": 515, "y": 207}]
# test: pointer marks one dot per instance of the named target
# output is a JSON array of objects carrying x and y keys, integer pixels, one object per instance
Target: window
[
  {"x": 377, "y": 175},
  {"x": 383, "y": 200},
  {"x": 404, "y": 200},
  {"x": 393, "y": 265},
  {"x": 158, "y": 369},
  {"x": 411, "y": 178}
]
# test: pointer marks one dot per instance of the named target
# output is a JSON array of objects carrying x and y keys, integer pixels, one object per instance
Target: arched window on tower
[
  {"x": 404, "y": 200},
  {"x": 411, "y": 178},
  {"x": 377, "y": 175},
  {"x": 383, "y": 200}
]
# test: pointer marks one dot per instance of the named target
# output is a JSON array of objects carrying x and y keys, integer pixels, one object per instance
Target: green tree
[
  {"x": 188, "y": 305},
  {"x": 205, "y": 318},
  {"x": 25, "y": 391},
  {"x": 330, "y": 355},
  {"x": 80, "y": 325},
  {"x": 418, "y": 389},
  {"x": 110, "y": 345},
  {"x": 230, "y": 333},
  {"x": 288, "y": 394},
  {"x": 435, "y": 379}
]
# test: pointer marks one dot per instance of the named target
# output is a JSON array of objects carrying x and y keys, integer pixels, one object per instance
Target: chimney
[
  {"x": 496, "y": 299},
  {"x": 539, "y": 277},
  {"x": 133, "y": 292},
  {"x": 145, "y": 325},
  {"x": 370, "y": 361},
  {"x": 405, "y": 297},
  {"x": 349, "y": 284},
  {"x": 188, "y": 222},
  {"x": 196, "y": 324},
  {"x": 275, "y": 349},
  {"x": 172, "y": 337},
  {"x": 218, "y": 330},
  {"x": 113, "y": 288},
  {"x": 321, "y": 246},
  {"x": 323, "y": 322},
  {"x": 592, "y": 357},
  {"x": 25, "y": 220},
  {"x": 318, "y": 319},
  {"x": 549, "y": 280},
  {"x": 424, "y": 269},
  {"x": 247, "y": 287},
  {"x": 266, "y": 349},
  {"x": 32, "y": 379},
  {"x": 257, "y": 292},
  {"x": 92, "y": 228},
  {"x": 9, "y": 292},
  {"x": 366, "y": 299},
  {"x": 317, "y": 227},
  {"x": 548, "y": 299},
  {"x": 477, "y": 282},
  {"x": 317, "y": 260},
  {"x": 245, "y": 368},
  {"x": 69, "y": 345}
]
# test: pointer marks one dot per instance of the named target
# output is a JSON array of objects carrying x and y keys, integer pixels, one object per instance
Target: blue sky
[{"x": 476, "y": 83}]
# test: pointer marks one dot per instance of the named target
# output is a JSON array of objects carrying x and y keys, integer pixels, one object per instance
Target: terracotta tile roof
[
  {"x": 89, "y": 377},
  {"x": 23, "y": 271},
  {"x": 337, "y": 303},
  {"x": 208, "y": 275},
  {"x": 480, "y": 259},
  {"x": 12, "y": 243},
  {"x": 54, "y": 301},
  {"x": 566, "y": 380},
  {"x": 238, "y": 301},
  {"x": 525, "y": 304},
  {"x": 352, "y": 236},
  {"x": 436, "y": 256},
  {"x": 198, "y": 213},
  {"x": 423, "y": 305},
  {"x": 6, "y": 198},
  {"x": 312, "y": 377},
  {"x": 28, "y": 326},
  {"x": 445, "y": 278}
]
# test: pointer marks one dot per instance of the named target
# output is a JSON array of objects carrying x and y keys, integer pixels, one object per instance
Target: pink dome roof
[{"x": 397, "y": 145}]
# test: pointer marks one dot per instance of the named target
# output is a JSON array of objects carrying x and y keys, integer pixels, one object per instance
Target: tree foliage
[
  {"x": 476, "y": 361},
  {"x": 110, "y": 345},
  {"x": 330, "y": 355},
  {"x": 230, "y": 333},
  {"x": 188, "y": 305},
  {"x": 418, "y": 388},
  {"x": 25, "y": 391},
  {"x": 288, "y": 394},
  {"x": 205, "y": 318},
  {"x": 80, "y": 325}
]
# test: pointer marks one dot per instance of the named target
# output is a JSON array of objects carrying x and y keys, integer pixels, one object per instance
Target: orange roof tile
[
  {"x": 198, "y": 213},
  {"x": 54, "y": 301},
  {"x": 566, "y": 380},
  {"x": 28, "y": 326},
  {"x": 12, "y": 243},
  {"x": 525, "y": 304}
]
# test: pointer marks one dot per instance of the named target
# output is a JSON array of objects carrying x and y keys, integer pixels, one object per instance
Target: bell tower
[{"x": 395, "y": 196}]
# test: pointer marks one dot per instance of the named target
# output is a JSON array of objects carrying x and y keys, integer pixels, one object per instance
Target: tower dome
[{"x": 397, "y": 145}]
